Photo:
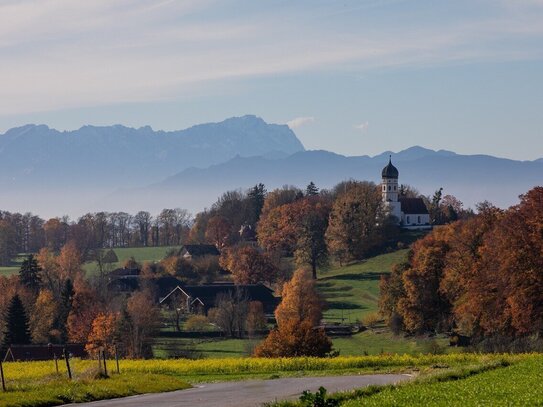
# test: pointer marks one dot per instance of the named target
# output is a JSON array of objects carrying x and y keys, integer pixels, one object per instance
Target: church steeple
[{"x": 389, "y": 186}]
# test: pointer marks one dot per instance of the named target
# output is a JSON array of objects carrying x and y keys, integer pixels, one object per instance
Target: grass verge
[{"x": 52, "y": 390}]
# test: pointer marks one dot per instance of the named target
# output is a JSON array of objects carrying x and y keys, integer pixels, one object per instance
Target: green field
[
  {"x": 14, "y": 265},
  {"x": 37, "y": 383},
  {"x": 520, "y": 384},
  {"x": 352, "y": 292},
  {"x": 140, "y": 254}
]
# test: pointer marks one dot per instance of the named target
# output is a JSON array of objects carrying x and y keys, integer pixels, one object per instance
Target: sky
[{"x": 353, "y": 77}]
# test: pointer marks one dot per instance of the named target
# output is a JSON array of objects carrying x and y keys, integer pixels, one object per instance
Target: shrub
[{"x": 196, "y": 323}]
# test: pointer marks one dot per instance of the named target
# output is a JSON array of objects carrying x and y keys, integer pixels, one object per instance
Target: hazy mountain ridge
[
  {"x": 116, "y": 154},
  {"x": 472, "y": 178}
]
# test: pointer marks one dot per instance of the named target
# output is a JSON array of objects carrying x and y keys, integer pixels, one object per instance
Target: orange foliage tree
[
  {"x": 298, "y": 316},
  {"x": 102, "y": 334},
  {"x": 480, "y": 276},
  {"x": 248, "y": 265}
]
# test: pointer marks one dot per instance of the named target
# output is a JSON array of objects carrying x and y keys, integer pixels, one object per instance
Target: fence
[{"x": 66, "y": 356}]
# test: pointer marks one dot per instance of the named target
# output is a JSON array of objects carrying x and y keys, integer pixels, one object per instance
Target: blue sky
[{"x": 354, "y": 77}]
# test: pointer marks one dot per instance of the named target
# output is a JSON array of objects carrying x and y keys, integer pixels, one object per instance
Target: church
[{"x": 410, "y": 212}]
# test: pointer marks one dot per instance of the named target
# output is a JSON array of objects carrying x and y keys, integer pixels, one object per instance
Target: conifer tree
[
  {"x": 17, "y": 329},
  {"x": 29, "y": 273},
  {"x": 311, "y": 189},
  {"x": 66, "y": 301}
]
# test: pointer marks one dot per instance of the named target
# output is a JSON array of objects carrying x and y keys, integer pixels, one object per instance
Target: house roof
[
  {"x": 125, "y": 272},
  {"x": 207, "y": 294},
  {"x": 413, "y": 206},
  {"x": 201, "y": 249}
]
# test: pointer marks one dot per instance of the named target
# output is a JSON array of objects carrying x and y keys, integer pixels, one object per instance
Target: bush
[
  {"x": 371, "y": 320},
  {"x": 318, "y": 399},
  {"x": 196, "y": 323}
]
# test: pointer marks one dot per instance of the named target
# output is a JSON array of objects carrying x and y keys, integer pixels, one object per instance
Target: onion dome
[{"x": 390, "y": 171}]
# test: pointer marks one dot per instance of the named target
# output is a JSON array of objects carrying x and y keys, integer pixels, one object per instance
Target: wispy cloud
[
  {"x": 300, "y": 121},
  {"x": 63, "y": 53},
  {"x": 363, "y": 127}
]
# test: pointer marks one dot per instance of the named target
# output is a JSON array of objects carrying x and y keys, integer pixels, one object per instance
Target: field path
[{"x": 248, "y": 393}]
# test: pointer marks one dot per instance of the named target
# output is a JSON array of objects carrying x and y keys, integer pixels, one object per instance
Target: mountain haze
[
  {"x": 113, "y": 155},
  {"x": 116, "y": 168},
  {"x": 472, "y": 178}
]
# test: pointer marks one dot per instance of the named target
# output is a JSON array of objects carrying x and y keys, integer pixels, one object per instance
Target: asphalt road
[{"x": 248, "y": 393}]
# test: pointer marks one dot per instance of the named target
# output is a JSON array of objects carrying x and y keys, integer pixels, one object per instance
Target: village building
[
  {"x": 199, "y": 299},
  {"x": 411, "y": 213},
  {"x": 194, "y": 251}
]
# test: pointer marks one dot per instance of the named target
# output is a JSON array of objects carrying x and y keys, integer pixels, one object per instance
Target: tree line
[
  {"x": 480, "y": 277},
  {"x": 28, "y": 233}
]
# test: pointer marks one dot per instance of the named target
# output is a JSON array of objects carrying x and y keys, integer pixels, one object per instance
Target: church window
[
  {"x": 408, "y": 220},
  {"x": 394, "y": 187},
  {"x": 418, "y": 219},
  {"x": 389, "y": 187}
]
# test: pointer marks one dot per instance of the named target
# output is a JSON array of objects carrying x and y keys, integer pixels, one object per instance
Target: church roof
[
  {"x": 390, "y": 171},
  {"x": 413, "y": 206}
]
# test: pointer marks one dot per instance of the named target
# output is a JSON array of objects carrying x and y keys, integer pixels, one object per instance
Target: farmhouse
[
  {"x": 193, "y": 251},
  {"x": 201, "y": 298},
  {"x": 410, "y": 212}
]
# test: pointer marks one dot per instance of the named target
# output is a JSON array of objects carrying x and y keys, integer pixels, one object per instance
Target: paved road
[{"x": 248, "y": 393}]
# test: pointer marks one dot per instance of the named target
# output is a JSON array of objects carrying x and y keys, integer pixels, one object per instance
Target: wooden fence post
[
  {"x": 56, "y": 361},
  {"x": 117, "y": 360},
  {"x": 67, "y": 359},
  {"x": 105, "y": 366},
  {"x": 2, "y": 376}
]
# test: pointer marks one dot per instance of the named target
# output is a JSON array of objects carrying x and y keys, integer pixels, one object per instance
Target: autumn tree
[
  {"x": 8, "y": 244},
  {"x": 218, "y": 231},
  {"x": 84, "y": 309},
  {"x": 298, "y": 317},
  {"x": 102, "y": 333},
  {"x": 281, "y": 196},
  {"x": 143, "y": 323},
  {"x": 256, "y": 319},
  {"x": 230, "y": 313},
  {"x": 424, "y": 307},
  {"x": 297, "y": 228},
  {"x": 357, "y": 222},
  {"x": 248, "y": 265},
  {"x": 42, "y": 320}
]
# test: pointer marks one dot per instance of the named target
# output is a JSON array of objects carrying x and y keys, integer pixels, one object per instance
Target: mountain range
[{"x": 123, "y": 169}]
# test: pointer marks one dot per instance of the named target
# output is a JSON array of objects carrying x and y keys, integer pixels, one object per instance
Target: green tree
[
  {"x": 17, "y": 329},
  {"x": 66, "y": 301},
  {"x": 29, "y": 273},
  {"x": 256, "y": 197},
  {"x": 311, "y": 189}
]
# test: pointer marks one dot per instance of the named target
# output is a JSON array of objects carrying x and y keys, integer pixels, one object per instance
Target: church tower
[{"x": 390, "y": 189}]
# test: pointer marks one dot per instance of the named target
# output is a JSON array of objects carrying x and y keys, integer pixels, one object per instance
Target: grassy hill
[
  {"x": 352, "y": 292},
  {"x": 140, "y": 254},
  {"x": 13, "y": 267}
]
